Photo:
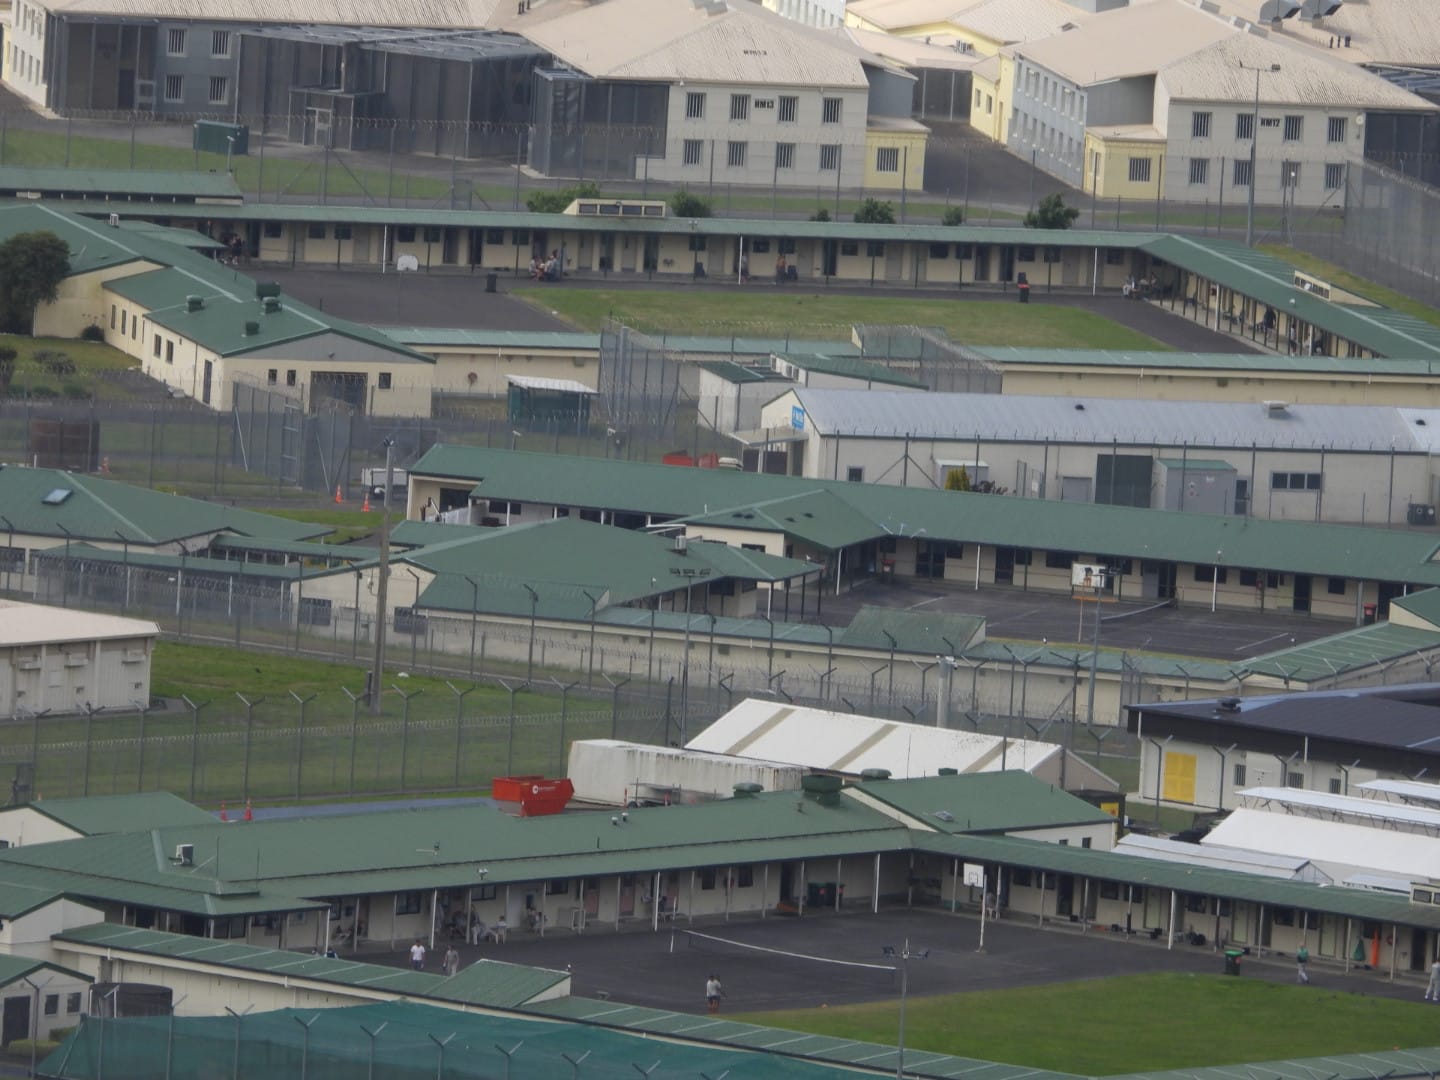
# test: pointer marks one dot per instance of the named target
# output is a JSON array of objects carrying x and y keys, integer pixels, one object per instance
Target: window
[
  {"x": 1245, "y": 126},
  {"x": 829, "y": 157},
  {"x": 219, "y": 89},
  {"x": 1199, "y": 170},
  {"x": 849, "y": 247},
  {"x": 157, "y": 345},
  {"x": 1238, "y": 774},
  {"x": 1249, "y": 578},
  {"x": 315, "y": 231},
  {"x": 789, "y": 106},
  {"x": 290, "y": 376},
  {"x": 1059, "y": 560},
  {"x": 1115, "y": 256},
  {"x": 875, "y": 249},
  {"x": 409, "y": 903},
  {"x": 855, "y": 474},
  {"x": 784, "y": 155},
  {"x": 557, "y": 887},
  {"x": 175, "y": 42},
  {"x": 169, "y": 351},
  {"x": 707, "y": 878},
  {"x": 830, "y": 110},
  {"x": 1139, "y": 170},
  {"x": 1052, "y": 254},
  {"x": 787, "y": 245},
  {"x": 405, "y": 234},
  {"x": 694, "y": 152},
  {"x": 174, "y": 87},
  {"x": 939, "y": 251},
  {"x": 1240, "y": 175},
  {"x": 273, "y": 230},
  {"x": 344, "y": 232},
  {"x": 219, "y": 42},
  {"x": 760, "y": 247},
  {"x": 1200, "y": 125},
  {"x": 887, "y": 159},
  {"x": 744, "y": 876},
  {"x": 1294, "y": 128},
  {"x": 1025, "y": 253},
  {"x": 494, "y": 236},
  {"x": 694, "y": 106},
  {"x": 735, "y": 154},
  {"x": 1290, "y": 174},
  {"x": 1334, "y": 785},
  {"x": 739, "y": 106},
  {"x": 432, "y": 234},
  {"x": 72, "y": 1003},
  {"x": 1206, "y": 575},
  {"x": 520, "y": 237},
  {"x": 52, "y": 1004},
  {"x": 382, "y": 381},
  {"x": 1335, "y": 586},
  {"x": 1020, "y": 877},
  {"x": 989, "y": 104},
  {"x": 112, "y": 316},
  {"x": 964, "y": 251},
  {"x": 272, "y": 377},
  {"x": 1335, "y": 129},
  {"x": 1294, "y": 481},
  {"x": 1334, "y": 177},
  {"x": 1295, "y": 780}
]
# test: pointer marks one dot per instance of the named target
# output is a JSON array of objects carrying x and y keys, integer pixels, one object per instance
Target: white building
[
  {"x": 616, "y": 773},
  {"x": 59, "y": 660}
]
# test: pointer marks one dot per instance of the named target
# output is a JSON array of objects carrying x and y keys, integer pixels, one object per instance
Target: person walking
[
  {"x": 451, "y": 963},
  {"x": 417, "y": 955},
  {"x": 713, "y": 993},
  {"x": 1432, "y": 991},
  {"x": 1302, "y": 964}
]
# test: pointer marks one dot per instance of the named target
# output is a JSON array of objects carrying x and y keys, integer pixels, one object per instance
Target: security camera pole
[{"x": 381, "y": 589}]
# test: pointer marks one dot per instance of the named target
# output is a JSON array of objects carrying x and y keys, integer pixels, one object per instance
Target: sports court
[{"x": 668, "y": 970}]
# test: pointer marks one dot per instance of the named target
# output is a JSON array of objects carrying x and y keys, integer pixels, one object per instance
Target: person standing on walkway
[
  {"x": 417, "y": 955},
  {"x": 1302, "y": 964},
  {"x": 451, "y": 964},
  {"x": 713, "y": 993},
  {"x": 1432, "y": 991}
]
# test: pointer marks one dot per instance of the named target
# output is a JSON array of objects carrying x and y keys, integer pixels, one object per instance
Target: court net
[{"x": 821, "y": 966}]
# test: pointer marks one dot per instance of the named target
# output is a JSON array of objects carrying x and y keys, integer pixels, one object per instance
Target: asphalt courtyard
[{"x": 667, "y": 970}]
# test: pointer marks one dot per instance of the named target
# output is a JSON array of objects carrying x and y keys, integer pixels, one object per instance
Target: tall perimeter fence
[{"x": 461, "y": 701}]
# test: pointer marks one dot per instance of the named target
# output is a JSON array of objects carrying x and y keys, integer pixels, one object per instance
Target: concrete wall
[
  {"x": 24, "y": 70},
  {"x": 21, "y": 825}
]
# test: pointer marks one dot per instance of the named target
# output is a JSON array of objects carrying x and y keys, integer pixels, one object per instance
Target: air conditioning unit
[{"x": 185, "y": 854}]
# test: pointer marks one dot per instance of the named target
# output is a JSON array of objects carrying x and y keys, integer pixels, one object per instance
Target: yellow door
[{"x": 1179, "y": 783}]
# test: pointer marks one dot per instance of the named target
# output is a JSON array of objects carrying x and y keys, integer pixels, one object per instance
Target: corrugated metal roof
[
  {"x": 1090, "y": 421},
  {"x": 915, "y": 53},
  {"x": 537, "y": 382},
  {"x": 98, "y": 814},
  {"x": 37, "y": 624},
  {"x": 1135, "y": 40},
  {"x": 422, "y": 337},
  {"x": 14, "y": 968},
  {"x": 1225, "y": 72},
  {"x": 1417, "y": 1062},
  {"x": 19, "y": 898},
  {"x": 1406, "y": 791},
  {"x": 1006, "y": 22},
  {"x": 986, "y": 802},
  {"x": 1351, "y": 650},
  {"x": 302, "y": 548},
  {"x": 900, "y": 14},
  {"x": 1327, "y": 805},
  {"x": 1257, "y": 363},
  {"x": 1214, "y": 856},
  {"x": 485, "y": 983},
  {"x": 102, "y": 182},
  {"x": 192, "y": 564},
  {"x": 1423, "y": 605},
  {"x": 850, "y": 367},
  {"x": 99, "y": 509},
  {"x": 461, "y": 14},
  {"x": 1341, "y": 844}
]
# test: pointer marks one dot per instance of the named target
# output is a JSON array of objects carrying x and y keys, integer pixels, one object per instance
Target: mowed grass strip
[
  {"x": 761, "y": 311},
  {"x": 1134, "y": 1023}
]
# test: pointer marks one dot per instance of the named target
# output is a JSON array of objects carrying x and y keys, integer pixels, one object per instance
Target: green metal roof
[
  {"x": 192, "y": 564},
  {"x": 1363, "y": 647},
  {"x": 485, "y": 983},
  {"x": 421, "y": 337},
  {"x": 985, "y": 802},
  {"x": 301, "y": 548},
  {"x": 1256, "y": 363},
  {"x": 187, "y": 238},
  {"x": 1419, "y": 1061},
  {"x": 1424, "y": 604},
  {"x": 13, "y": 968},
  {"x": 99, "y": 509},
  {"x": 851, "y": 367},
  {"x": 17, "y": 899},
  {"x": 143, "y": 183},
  {"x": 937, "y": 633},
  {"x": 1183, "y": 877},
  {"x": 821, "y": 1048},
  {"x": 98, "y": 814},
  {"x": 730, "y": 371},
  {"x": 835, "y": 514}
]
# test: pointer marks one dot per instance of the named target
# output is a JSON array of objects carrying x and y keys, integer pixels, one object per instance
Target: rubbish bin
[
  {"x": 1232, "y": 961},
  {"x": 817, "y": 895},
  {"x": 1370, "y": 610},
  {"x": 492, "y": 282}
]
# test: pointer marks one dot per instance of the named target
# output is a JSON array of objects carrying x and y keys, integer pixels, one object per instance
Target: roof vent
[
  {"x": 266, "y": 288},
  {"x": 947, "y": 771},
  {"x": 1229, "y": 704},
  {"x": 184, "y": 854},
  {"x": 748, "y": 789},
  {"x": 270, "y": 305},
  {"x": 681, "y": 544},
  {"x": 1275, "y": 408},
  {"x": 874, "y": 774},
  {"x": 251, "y": 328},
  {"x": 194, "y": 303}
]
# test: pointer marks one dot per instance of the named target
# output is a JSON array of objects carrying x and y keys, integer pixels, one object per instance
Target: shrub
[
  {"x": 875, "y": 212},
  {"x": 953, "y": 216},
  {"x": 555, "y": 202},
  {"x": 820, "y": 215},
  {"x": 54, "y": 362},
  {"x": 684, "y": 204},
  {"x": 93, "y": 332},
  {"x": 75, "y": 392},
  {"x": 22, "y": 1047},
  {"x": 45, "y": 392}
]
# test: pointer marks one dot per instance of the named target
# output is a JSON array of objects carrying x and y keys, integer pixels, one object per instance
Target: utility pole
[
  {"x": 1254, "y": 142},
  {"x": 377, "y": 672}
]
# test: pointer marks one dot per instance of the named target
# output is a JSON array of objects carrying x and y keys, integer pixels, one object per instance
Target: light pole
[
  {"x": 1254, "y": 141},
  {"x": 1215, "y": 579},
  {"x": 904, "y": 955},
  {"x": 382, "y": 585}
]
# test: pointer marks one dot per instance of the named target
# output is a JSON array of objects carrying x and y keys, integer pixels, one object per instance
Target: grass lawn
[
  {"x": 1328, "y": 271},
  {"x": 1133, "y": 1023},
  {"x": 95, "y": 367},
  {"x": 798, "y": 314}
]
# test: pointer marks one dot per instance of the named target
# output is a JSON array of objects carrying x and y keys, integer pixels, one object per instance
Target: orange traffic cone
[
  {"x": 249, "y": 814},
  {"x": 224, "y": 814},
  {"x": 338, "y": 497},
  {"x": 365, "y": 506}
]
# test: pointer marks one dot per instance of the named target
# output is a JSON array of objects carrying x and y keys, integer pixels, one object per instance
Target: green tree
[
  {"x": 32, "y": 265},
  {"x": 684, "y": 204},
  {"x": 820, "y": 215},
  {"x": 953, "y": 216},
  {"x": 555, "y": 202},
  {"x": 1052, "y": 213},
  {"x": 875, "y": 212},
  {"x": 7, "y": 368},
  {"x": 957, "y": 479}
]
